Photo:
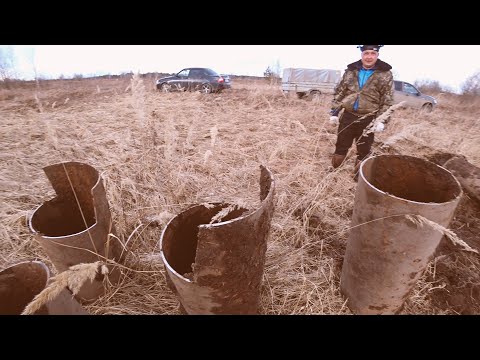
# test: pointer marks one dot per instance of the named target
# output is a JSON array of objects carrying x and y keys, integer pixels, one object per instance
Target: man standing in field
[{"x": 365, "y": 92}]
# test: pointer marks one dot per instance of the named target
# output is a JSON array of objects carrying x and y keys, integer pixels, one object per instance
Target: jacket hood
[{"x": 380, "y": 65}]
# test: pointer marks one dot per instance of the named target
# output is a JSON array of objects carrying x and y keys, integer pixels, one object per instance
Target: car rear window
[
  {"x": 210, "y": 72},
  {"x": 196, "y": 73}
]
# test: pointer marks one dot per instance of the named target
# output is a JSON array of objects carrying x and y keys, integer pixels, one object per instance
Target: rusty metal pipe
[
  {"x": 74, "y": 226},
  {"x": 21, "y": 282},
  {"x": 218, "y": 268},
  {"x": 386, "y": 254}
]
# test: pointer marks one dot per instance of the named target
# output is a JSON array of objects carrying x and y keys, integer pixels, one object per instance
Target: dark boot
[
  {"x": 337, "y": 160},
  {"x": 356, "y": 170}
]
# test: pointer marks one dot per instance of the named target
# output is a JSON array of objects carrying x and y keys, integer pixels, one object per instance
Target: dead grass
[{"x": 161, "y": 153}]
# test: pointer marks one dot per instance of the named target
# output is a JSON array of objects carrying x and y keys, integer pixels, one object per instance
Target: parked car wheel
[
  {"x": 427, "y": 107},
  {"x": 315, "y": 95},
  {"x": 165, "y": 88},
  {"x": 206, "y": 88}
]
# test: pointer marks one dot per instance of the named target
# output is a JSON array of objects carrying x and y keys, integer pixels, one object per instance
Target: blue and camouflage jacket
[{"x": 375, "y": 97}]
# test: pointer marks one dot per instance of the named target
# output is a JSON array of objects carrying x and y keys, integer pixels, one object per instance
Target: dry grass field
[{"x": 162, "y": 153}]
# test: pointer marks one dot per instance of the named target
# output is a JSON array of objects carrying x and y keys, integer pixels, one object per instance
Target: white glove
[
  {"x": 379, "y": 127},
  {"x": 334, "y": 120}
]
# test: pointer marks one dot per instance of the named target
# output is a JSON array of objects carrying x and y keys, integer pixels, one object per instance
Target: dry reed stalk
[
  {"x": 382, "y": 118},
  {"x": 213, "y": 135},
  {"x": 450, "y": 235},
  {"x": 73, "y": 279},
  {"x": 218, "y": 217}
]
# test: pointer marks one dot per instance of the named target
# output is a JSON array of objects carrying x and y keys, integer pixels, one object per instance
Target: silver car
[{"x": 404, "y": 91}]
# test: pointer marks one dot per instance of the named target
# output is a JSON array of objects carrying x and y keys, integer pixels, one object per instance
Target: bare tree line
[{"x": 6, "y": 64}]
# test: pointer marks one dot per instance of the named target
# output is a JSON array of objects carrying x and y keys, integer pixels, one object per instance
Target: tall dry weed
[{"x": 73, "y": 279}]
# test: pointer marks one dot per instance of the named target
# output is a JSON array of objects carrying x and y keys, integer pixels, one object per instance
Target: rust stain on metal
[
  {"x": 385, "y": 258},
  {"x": 73, "y": 227},
  {"x": 21, "y": 282},
  {"x": 218, "y": 268}
]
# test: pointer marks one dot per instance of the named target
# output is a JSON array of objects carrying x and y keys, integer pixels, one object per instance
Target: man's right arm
[{"x": 339, "y": 94}]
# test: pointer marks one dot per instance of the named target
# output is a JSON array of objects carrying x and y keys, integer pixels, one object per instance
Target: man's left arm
[{"x": 386, "y": 98}]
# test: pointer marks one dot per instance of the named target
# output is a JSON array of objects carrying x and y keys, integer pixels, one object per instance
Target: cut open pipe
[
  {"x": 21, "y": 282},
  {"x": 386, "y": 253},
  {"x": 217, "y": 268},
  {"x": 74, "y": 226}
]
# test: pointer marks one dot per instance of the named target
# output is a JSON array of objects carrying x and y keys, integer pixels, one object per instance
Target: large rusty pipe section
[
  {"x": 218, "y": 268},
  {"x": 386, "y": 253},
  {"x": 74, "y": 226},
  {"x": 20, "y": 283}
]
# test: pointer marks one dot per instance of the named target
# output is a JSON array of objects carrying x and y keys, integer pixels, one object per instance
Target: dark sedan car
[{"x": 194, "y": 79}]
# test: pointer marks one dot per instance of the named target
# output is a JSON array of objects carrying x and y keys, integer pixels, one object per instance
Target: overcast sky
[{"x": 450, "y": 65}]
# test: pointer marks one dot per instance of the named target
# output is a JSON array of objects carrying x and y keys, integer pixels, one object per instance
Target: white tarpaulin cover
[{"x": 311, "y": 75}]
